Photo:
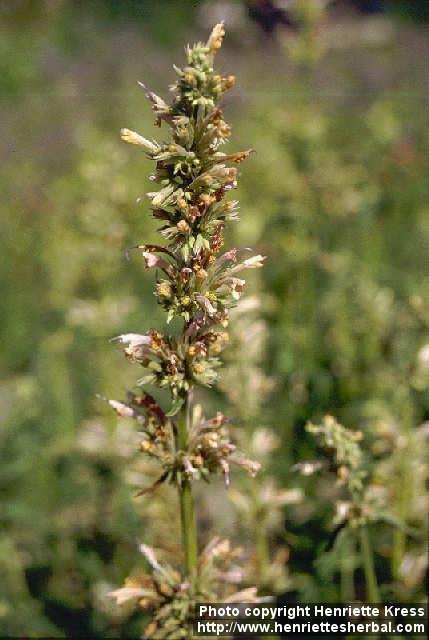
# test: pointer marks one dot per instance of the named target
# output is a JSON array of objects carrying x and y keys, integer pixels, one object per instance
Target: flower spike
[{"x": 197, "y": 286}]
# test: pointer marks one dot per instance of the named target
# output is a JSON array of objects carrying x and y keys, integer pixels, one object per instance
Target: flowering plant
[{"x": 198, "y": 285}]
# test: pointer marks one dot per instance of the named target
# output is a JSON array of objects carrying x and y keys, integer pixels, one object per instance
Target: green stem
[
  {"x": 372, "y": 592},
  {"x": 397, "y": 552},
  {"x": 262, "y": 550},
  {"x": 402, "y": 492},
  {"x": 347, "y": 572},
  {"x": 187, "y": 515}
]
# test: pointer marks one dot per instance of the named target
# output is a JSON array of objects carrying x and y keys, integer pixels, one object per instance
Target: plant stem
[
  {"x": 397, "y": 552},
  {"x": 262, "y": 551},
  {"x": 347, "y": 571},
  {"x": 372, "y": 592},
  {"x": 402, "y": 491},
  {"x": 187, "y": 515}
]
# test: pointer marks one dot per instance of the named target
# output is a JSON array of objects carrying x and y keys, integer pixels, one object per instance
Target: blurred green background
[{"x": 335, "y": 101}]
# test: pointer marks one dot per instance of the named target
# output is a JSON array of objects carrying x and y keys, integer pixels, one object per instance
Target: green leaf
[{"x": 176, "y": 406}]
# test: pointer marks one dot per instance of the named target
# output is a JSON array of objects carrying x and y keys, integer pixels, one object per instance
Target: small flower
[
  {"x": 133, "y": 339},
  {"x": 201, "y": 274},
  {"x": 206, "y": 304},
  {"x": 135, "y": 138},
  {"x": 164, "y": 289},
  {"x": 250, "y": 465},
  {"x": 215, "y": 40},
  {"x": 228, "y": 82},
  {"x": 307, "y": 468},
  {"x": 125, "y": 594},
  {"x": 255, "y": 262},
  {"x": 183, "y": 227}
]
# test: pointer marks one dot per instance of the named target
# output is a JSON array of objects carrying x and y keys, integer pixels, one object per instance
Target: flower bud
[
  {"x": 228, "y": 82},
  {"x": 164, "y": 289},
  {"x": 186, "y": 274},
  {"x": 185, "y": 301}
]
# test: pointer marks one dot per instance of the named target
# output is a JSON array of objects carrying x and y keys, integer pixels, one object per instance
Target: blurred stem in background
[
  {"x": 403, "y": 469},
  {"x": 347, "y": 569},
  {"x": 262, "y": 547},
  {"x": 372, "y": 592}
]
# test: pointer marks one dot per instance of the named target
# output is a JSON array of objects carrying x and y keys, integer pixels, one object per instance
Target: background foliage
[{"x": 336, "y": 196}]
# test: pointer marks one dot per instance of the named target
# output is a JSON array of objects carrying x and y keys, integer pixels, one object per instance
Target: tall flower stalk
[
  {"x": 355, "y": 514},
  {"x": 187, "y": 512},
  {"x": 196, "y": 285}
]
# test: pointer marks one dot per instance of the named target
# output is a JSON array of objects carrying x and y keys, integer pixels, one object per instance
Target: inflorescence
[{"x": 198, "y": 285}]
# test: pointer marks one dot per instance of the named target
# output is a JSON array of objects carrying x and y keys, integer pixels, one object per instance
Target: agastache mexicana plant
[{"x": 198, "y": 284}]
